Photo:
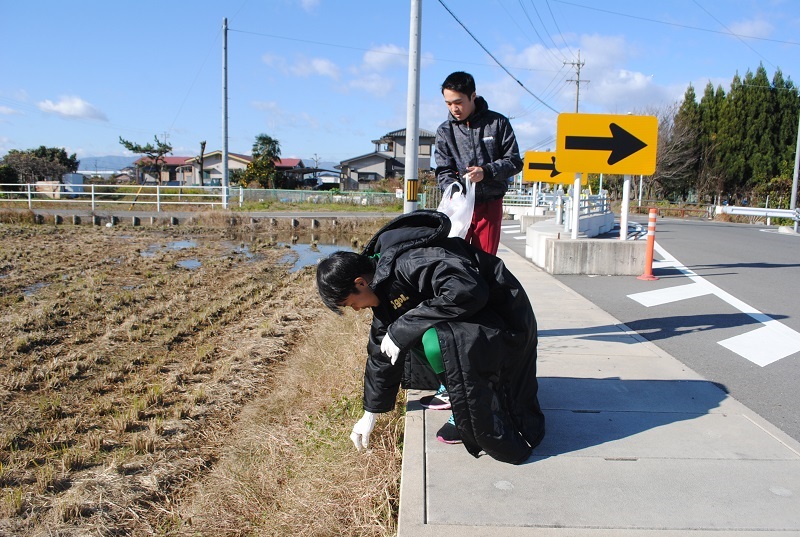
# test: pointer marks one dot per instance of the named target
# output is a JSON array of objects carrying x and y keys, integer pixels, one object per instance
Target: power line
[
  {"x": 525, "y": 11},
  {"x": 495, "y": 59},
  {"x": 728, "y": 33},
  {"x": 362, "y": 49},
  {"x": 733, "y": 34},
  {"x": 560, "y": 33}
]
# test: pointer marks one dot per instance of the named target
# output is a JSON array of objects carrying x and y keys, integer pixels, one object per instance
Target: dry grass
[
  {"x": 291, "y": 469},
  {"x": 141, "y": 398}
]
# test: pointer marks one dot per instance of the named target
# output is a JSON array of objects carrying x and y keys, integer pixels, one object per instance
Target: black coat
[{"x": 486, "y": 329}]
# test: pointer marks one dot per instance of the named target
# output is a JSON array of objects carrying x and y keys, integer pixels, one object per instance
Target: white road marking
[
  {"x": 762, "y": 346},
  {"x": 671, "y": 294}
]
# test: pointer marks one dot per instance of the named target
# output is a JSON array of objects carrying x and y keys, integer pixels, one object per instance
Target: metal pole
[
  {"x": 641, "y": 183},
  {"x": 623, "y": 212},
  {"x": 224, "y": 113},
  {"x": 793, "y": 200},
  {"x": 412, "y": 109},
  {"x": 576, "y": 205}
]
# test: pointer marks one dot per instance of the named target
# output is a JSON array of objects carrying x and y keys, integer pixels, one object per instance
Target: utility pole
[
  {"x": 795, "y": 173},
  {"x": 224, "y": 113},
  {"x": 577, "y": 65},
  {"x": 412, "y": 109},
  {"x": 576, "y": 187}
]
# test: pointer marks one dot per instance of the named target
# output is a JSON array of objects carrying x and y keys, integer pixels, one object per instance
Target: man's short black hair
[
  {"x": 461, "y": 82},
  {"x": 336, "y": 276}
]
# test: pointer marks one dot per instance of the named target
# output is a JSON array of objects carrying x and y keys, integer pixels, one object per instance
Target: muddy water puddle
[{"x": 302, "y": 250}]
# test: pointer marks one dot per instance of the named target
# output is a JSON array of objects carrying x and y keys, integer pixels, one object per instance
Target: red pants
[{"x": 484, "y": 232}]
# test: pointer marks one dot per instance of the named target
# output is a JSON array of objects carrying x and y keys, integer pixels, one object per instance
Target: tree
[
  {"x": 8, "y": 176},
  {"x": 202, "y": 160},
  {"x": 710, "y": 174},
  {"x": 261, "y": 170},
  {"x": 154, "y": 153},
  {"x": 41, "y": 163},
  {"x": 678, "y": 153},
  {"x": 759, "y": 125}
]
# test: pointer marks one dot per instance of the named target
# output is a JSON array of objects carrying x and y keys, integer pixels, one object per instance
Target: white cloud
[
  {"x": 315, "y": 66},
  {"x": 754, "y": 28},
  {"x": 309, "y": 5},
  {"x": 302, "y": 66},
  {"x": 385, "y": 57},
  {"x": 373, "y": 84},
  {"x": 6, "y": 111},
  {"x": 72, "y": 107}
]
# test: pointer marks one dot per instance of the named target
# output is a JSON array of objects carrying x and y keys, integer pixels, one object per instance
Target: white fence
[{"x": 157, "y": 197}]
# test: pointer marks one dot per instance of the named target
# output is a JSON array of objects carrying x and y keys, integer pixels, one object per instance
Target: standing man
[{"x": 476, "y": 144}]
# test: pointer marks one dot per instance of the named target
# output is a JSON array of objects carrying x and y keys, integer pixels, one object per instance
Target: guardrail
[
  {"x": 760, "y": 211},
  {"x": 698, "y": 211}
]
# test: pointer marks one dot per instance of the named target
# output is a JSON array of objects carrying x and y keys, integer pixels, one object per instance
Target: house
[
  {"x": 387, "y": 160},
  {"x": 173, "y": 170},
  {"x": 212, "y": 167}
]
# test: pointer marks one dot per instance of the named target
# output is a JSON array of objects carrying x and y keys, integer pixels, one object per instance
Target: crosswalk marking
[{"x": 762, "y": 346}]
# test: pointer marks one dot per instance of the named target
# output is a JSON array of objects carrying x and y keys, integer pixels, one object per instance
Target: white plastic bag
[{"x": 458, "y": 206}]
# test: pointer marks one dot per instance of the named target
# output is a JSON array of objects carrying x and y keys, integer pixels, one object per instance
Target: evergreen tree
[
  {"x": 709, "y": 174},
  {"x": 731, "y": 136},
  {"x": 787, "y": 111},
  {"x": 758, "y": 121}
]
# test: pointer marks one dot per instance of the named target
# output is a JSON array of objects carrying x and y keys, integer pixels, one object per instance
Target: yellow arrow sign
[
  {"x": 605, "y": 143},
  {"x": 540, "y": 166}
]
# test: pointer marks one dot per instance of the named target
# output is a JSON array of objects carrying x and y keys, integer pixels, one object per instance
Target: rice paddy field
[{"x": 184, "y": 380}]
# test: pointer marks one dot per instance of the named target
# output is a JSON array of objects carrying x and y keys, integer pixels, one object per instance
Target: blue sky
[{"x": 325, "y": 77}]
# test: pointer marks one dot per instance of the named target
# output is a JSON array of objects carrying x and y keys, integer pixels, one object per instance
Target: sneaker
[
  {"x": 438, "y": 401},
  {"x": 449, "y": 432}
]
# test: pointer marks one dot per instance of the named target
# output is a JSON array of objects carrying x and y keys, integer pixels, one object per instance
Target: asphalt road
[{"x": 730, "y": 311}]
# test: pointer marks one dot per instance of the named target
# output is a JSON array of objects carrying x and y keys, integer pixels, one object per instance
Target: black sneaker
[
  {"x": 438, "y": 401},
  {"x": 449, "y": 432}
]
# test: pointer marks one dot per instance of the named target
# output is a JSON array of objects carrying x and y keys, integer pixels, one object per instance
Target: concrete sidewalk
[{"x": 637, "y": 444}]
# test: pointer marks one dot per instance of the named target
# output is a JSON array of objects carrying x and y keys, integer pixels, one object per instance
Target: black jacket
[
  {"x": 484, "y": 139},
  {"x": 486, "y": 329}
]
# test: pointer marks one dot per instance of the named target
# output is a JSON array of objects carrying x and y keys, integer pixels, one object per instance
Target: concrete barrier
[
  {"x": 608, "y": 257},
  {"x": 552, "y": 249}
]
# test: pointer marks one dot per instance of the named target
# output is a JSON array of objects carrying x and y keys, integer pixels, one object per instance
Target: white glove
[
  {"x": 362, "y": 429},
  {"x": 389, "y": 348}
]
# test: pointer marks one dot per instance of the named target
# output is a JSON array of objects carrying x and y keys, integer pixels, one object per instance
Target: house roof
[
  {"x": 362, "y": 157},
  {"x": 289, "y": 163},
  {"x": 231, "y": 156},
  {"x": 402, "y": 134}
]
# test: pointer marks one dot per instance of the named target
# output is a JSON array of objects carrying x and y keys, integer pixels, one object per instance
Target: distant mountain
[{"x": 112, "y": 162}]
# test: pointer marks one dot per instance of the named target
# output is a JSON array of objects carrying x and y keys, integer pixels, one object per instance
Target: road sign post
[{"x": 623, "y": 212}]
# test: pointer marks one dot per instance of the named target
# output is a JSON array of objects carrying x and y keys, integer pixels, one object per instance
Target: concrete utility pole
[
  {"x": 576, "y": 187},
  {"x": 412, "y": 109},
  {"x": 793, "y": 200},
  {"x": 577, "y": 65},
  {"x": 225, "y": 113}
]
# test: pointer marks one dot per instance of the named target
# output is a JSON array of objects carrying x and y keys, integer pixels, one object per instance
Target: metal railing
[
  {"x": 156, "y": 197},
  {"x": 97, "y": 196}
]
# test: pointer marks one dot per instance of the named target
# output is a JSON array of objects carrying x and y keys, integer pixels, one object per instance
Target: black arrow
[
  {"x": 543, "y": 166},
  {"x": 622, "y": 144}
]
